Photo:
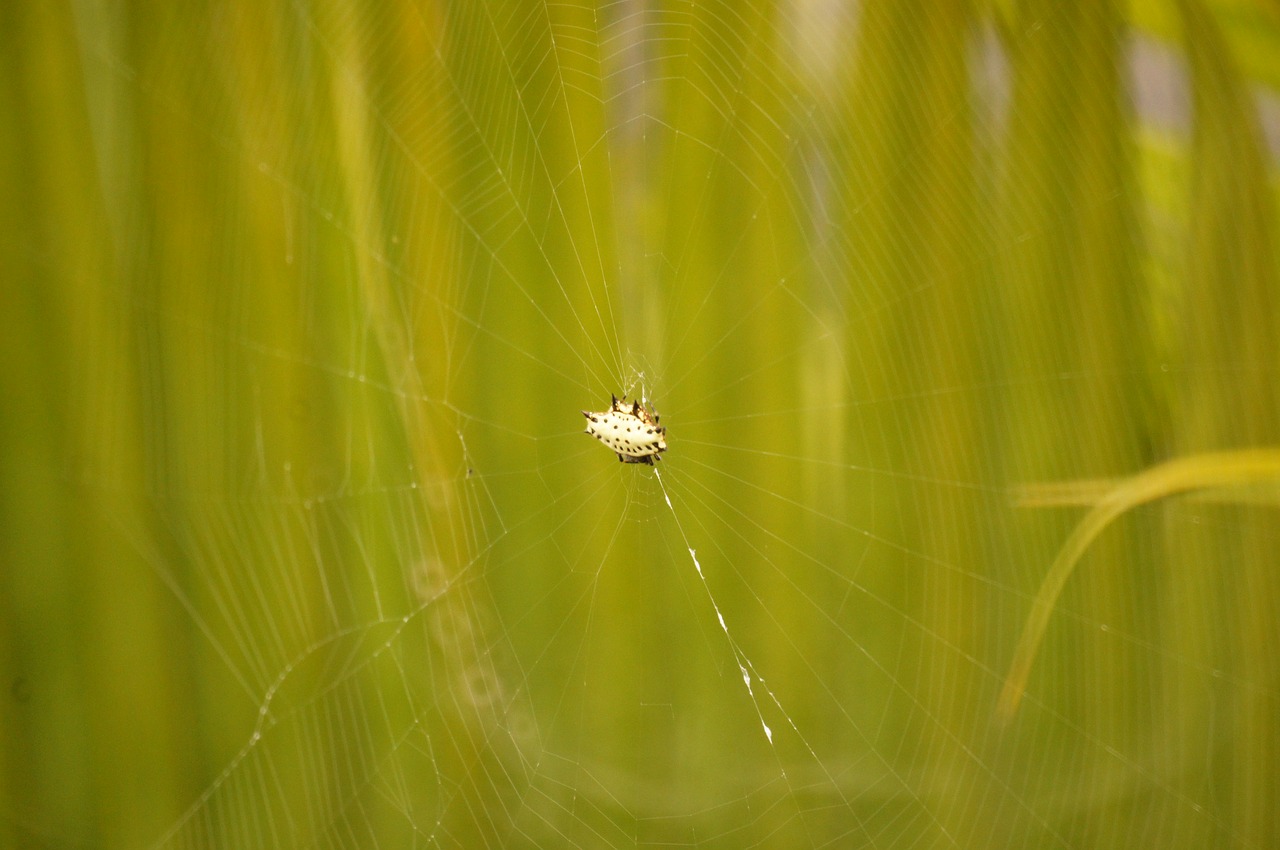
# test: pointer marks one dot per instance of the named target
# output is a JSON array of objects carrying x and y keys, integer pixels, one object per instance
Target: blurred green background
[{"x": 301, "y": 544}]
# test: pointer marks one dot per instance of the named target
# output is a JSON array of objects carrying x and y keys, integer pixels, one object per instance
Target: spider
[{"x": 631, "y": 431}]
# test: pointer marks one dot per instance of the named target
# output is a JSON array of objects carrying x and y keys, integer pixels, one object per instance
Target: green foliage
[{"x": 300, "y": 543}]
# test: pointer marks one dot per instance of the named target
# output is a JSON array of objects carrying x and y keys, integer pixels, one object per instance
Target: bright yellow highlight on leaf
[{"x": 1197, "y": 472}]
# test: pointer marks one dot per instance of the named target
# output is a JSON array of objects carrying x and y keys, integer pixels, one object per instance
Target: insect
[{"x": 631, "y": 430}]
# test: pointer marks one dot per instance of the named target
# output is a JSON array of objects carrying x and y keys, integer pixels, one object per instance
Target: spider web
[{"x": 415, "y": 606}]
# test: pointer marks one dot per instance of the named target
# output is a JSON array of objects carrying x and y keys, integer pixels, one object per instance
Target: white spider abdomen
[{"x": 631, "y": 431}]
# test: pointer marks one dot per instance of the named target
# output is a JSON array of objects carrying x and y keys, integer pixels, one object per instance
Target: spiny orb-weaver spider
[{"x": 631, "y": 431}]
